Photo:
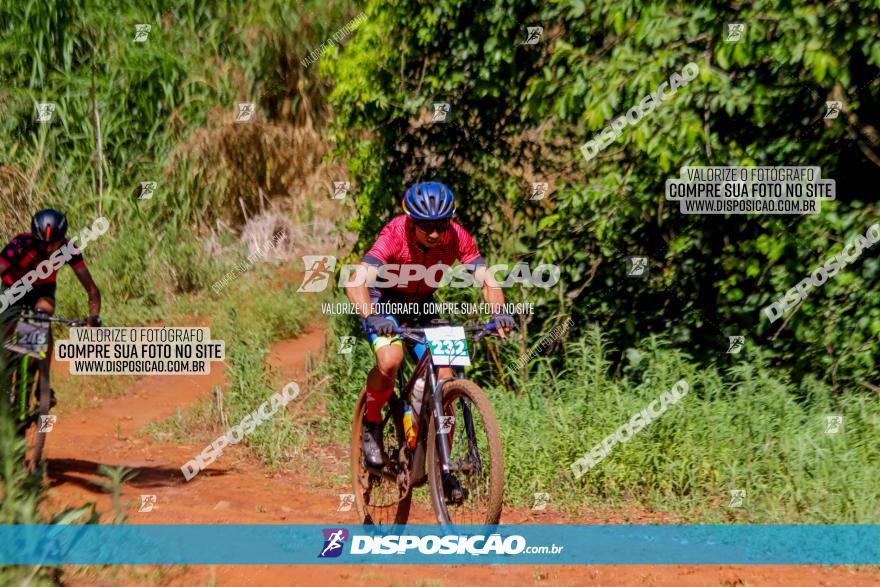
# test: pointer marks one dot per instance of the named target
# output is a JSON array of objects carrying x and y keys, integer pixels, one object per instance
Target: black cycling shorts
[{"x": 43, "y": 290}]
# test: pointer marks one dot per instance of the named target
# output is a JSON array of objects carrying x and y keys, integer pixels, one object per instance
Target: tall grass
[
  {"x": 740, "y": 427},
  {"x": 249, "y": 317},
  {"x": 21, "y": 492},
  {"x": 167, "y": 110}
]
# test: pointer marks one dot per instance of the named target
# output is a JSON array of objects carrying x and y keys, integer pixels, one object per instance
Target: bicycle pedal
[
  {"x": 455, "y": 493},
  {"x": 377, "y": 469}
]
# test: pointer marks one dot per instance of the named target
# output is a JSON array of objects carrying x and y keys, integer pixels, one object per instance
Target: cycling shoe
[{"x": 371, "y": 443}]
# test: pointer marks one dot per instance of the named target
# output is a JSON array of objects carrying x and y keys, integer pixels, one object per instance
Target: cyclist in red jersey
[
  {"x": 25, "y": 254},
  {"x": 426, "y": 236}
]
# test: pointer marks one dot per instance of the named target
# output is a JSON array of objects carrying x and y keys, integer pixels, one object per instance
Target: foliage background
[
  {"x": 522, "y": 112},
  {"x": 519, "y": 114}
]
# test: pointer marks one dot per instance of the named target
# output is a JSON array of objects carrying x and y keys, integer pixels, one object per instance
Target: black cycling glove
[
  {"x": 380, "y": 325},
  {"x": 94, "y": 321},
  {"x": 504, "y": 321}
]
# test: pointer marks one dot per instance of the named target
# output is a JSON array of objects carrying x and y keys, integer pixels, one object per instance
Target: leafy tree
[{"x": 520, "y": 112}]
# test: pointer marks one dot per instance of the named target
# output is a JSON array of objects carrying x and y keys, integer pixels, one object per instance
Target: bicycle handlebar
[
  {"x": 414, "y": 334},
  {"x": 420, "y": 330},
  {"x": 41, "y": 317}
]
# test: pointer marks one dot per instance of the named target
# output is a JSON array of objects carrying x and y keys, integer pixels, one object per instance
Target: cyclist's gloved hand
[
  {"x": 504, "y": 321},
  {"x": 380, "y": 325},
  {"x": 93, "y": 320}
]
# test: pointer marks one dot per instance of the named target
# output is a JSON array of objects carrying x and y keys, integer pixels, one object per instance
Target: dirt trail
[{"x": 234, "y": 489}]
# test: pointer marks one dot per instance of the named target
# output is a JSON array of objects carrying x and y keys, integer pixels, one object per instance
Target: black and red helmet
[{"x": 49, "y": 225}]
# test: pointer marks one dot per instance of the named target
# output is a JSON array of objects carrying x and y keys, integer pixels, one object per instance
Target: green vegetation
[
  {"x": 738, "y": 428},
  {"x": 752, "y": 421},
  {"x": 21, "y": 496},
  {"x": 166, "y": 110},
  {"x": 520, "y": 113}
]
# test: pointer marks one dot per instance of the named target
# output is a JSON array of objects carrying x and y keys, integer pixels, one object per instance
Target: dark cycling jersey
[
  {"x": 397, "y": 244},
  {"x": 22, "y": 255}
]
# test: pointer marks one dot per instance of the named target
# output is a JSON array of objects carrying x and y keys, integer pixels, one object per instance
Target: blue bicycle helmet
[{"x": 429, "y": 201}]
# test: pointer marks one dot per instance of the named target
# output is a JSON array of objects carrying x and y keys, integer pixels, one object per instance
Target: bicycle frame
[
  {"x": 24, "y": 355},
  {"x": 434, "y": 398},
  {"x": 24, "y": 352}
]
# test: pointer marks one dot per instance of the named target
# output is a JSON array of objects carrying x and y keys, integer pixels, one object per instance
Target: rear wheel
[
  {"x": 381, "y": 497},
  {"x": 472, "y": 492}
]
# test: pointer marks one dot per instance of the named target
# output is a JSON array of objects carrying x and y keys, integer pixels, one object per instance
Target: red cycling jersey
[
  {"x": 22, "y": 255},
  {"x": 397, "y": 244}
]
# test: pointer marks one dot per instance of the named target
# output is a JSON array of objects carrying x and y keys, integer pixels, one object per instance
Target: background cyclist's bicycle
[{"x": 29, "y": 394}]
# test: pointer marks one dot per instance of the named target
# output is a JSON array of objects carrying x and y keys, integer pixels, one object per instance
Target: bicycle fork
[
  {"x": 442, "y": 434},
  {"x": 437, "y": 400}
]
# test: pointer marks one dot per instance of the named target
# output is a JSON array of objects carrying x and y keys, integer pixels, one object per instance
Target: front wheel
[
  {"x": 32, "y": 411},
  {"x": 472, "y": 491}
]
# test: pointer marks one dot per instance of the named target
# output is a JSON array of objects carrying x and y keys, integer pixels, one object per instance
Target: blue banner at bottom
[{"x": 423, "y": 544}]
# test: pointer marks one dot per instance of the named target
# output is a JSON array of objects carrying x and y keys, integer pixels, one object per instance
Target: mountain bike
[
  {"x": 30, "y": 393},
  {"x": 457, "y": 449}
]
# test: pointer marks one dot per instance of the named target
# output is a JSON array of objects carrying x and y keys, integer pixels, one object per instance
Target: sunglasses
[{"x": 431, "y": 226}]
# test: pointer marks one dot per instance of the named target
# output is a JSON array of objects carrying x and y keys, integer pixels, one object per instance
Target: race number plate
[
  {"x": 448, "y": 346},
  {"x": 32, "y": 337}
]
